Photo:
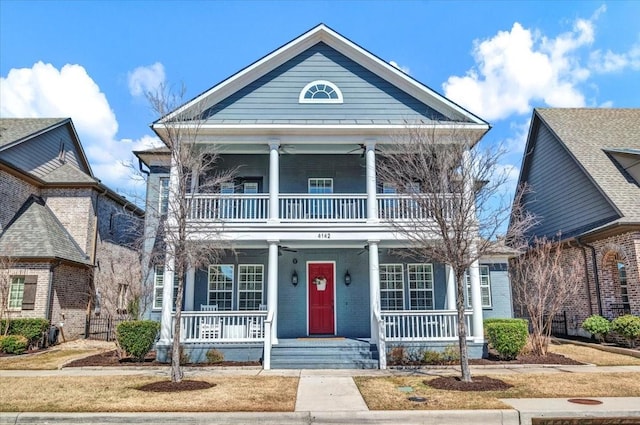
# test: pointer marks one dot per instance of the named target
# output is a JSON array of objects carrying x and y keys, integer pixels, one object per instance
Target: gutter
[{"x": 596, "y": 278}]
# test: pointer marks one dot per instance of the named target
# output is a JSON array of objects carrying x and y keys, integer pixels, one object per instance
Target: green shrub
[
  {"x": 451, "y": 354},
  {"x": 13, "y": 344},
  {"x": 627, "y": 326},
  {"x": 431, "y": 357},
  {"x": 32, "y": 329},
  {"x": 136, "y": 337},
  {"x": 507, "y": 337},
  {"x": 597, "y": 325},
  {"x": 214, "y": 356}
]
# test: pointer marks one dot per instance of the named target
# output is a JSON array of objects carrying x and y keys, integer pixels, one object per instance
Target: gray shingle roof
[
  {"x": 14, "y": 129},
  {"x": 588, "y": 133},
  {"x": 37, "y": 233},
  {"x": 67, "y": 173}
]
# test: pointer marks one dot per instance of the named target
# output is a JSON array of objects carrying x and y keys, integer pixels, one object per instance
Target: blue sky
[{"x": 92, "y": 60}]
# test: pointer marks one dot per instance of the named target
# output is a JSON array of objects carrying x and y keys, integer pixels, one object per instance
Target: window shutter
[{"x": 29, "y": 296}]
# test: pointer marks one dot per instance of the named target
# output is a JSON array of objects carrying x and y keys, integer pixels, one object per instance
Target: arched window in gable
[{"x": 320, "y": 91}]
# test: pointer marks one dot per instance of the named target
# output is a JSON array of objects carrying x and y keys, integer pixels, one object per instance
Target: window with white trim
[
  {"x": 16, "y": 292},
  {"x": 391, "y": 287},
  {"x": 163, "y": 189},
  {"x": 320, "y": 91},
  {"x": 320, "y": 185},
  {"x": 158, "y": 285},
  {"x": 622, "y": 280},
  {"x": 420, "y": 279},
  {"x": 221, "y": 286},
  {"x": 485, "y": 287},
  {"x": 250, "y": 286}
]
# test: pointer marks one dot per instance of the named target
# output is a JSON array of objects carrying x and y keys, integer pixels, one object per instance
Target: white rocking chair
[{"x": 210, "y": 326}]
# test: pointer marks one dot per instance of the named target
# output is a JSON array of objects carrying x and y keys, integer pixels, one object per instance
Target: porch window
[
  {"x": 250, "y": 284},
  {"x": 391, "y": 287},
  {"x": 163, "y": 205},
  {"x": 320, "y": 185},
  {"x": 158, "y": 284},
  {"x": 420, "y": 286},
  {"x": 221, "y": 286},
  {"x": 16, "y": 292},
  {"x": 485, "y": 287}
]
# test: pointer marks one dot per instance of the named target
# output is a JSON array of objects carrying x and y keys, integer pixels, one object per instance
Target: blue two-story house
[{"x": 312, "y": 278}]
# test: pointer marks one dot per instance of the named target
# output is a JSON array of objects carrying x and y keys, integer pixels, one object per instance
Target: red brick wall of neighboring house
[
  {"x": 625, "y": 247},
  {"x": 13, "y": 192},
  {"x": 71, "y": 294}
]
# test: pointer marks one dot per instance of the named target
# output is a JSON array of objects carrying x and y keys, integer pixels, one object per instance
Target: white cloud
[
  {"x": 519, "y": 68},
  {"x": 404, "y": 69},
  {"x": 606, "y": 62},
  {"x": 43, "y": 91},
  {"x": 146, "y": 79}
]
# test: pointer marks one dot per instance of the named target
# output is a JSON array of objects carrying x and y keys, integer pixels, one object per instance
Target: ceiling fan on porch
[
  {"x": 285, "y": 248},
  {"x": 365, "y": 249},
  {"x": 362, "y": 147}
]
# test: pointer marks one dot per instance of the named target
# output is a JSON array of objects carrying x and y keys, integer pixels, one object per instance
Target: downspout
[{"x": 596, "y": 279}]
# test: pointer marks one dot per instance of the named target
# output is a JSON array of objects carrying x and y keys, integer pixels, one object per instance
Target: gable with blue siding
[{"x": 273, "y": 98}]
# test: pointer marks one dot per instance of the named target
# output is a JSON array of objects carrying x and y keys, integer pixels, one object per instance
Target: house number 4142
[{"x": 324, "y": 235}]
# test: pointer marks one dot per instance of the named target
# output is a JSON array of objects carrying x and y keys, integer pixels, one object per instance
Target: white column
[
  {"x": 167, "y": 301},
  {"x": 169, "y": 264},
  {"x": 189, "y": 289},
  {"x": 272, "y": 288},
  {"x": 476, "y": 302},
  {"x": 274, "y": 181},
  {"x": 372, "y": 203},
  {"x": 374, "y": 287},
  {"x": 451, "y": 288}
]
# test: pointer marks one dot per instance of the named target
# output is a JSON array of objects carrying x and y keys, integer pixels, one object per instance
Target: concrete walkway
[{"x": 331, "y": 397}]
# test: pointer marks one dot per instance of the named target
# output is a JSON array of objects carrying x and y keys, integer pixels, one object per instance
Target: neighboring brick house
[
  {"x": 583, "y": 166},
  {"x": 60, "y": 228}
]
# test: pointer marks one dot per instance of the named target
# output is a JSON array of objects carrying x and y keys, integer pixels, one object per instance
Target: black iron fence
[
  {"x": 618, "y": 310},
  {"x": 102, "y": 328},
  {"x": 559, "y": 326}
]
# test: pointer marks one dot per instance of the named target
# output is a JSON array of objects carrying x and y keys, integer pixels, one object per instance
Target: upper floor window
[
  {"x": 320, "y": 91},
  {"x": 164, "y": 195},
  {"x": 320, "y": 185}
]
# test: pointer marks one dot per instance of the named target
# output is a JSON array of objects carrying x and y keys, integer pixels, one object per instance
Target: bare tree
[
  {"x": 456, "y": 198},
  {"x": 7, "y": 262},
  {"x": 543, "y": 279},
  {"x": 194, "y": 167}
]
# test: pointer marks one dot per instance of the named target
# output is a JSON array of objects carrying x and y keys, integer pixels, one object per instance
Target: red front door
[{"x": 321, "y": 301}]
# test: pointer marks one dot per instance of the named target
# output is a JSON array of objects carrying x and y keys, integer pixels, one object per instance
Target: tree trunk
[
  {"x": 176, "y": 371},
  {"x": 462, "y": 329}
]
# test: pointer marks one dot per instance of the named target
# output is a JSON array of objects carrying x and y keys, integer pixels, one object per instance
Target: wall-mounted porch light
[
  {"x": 294, "y": 278},
  {"x": 347, "y": 278}
]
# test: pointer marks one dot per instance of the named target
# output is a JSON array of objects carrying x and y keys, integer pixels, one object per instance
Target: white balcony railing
[
  {"x": 414, "y": 325},
  {"x": 230, "y": 207},
  {"x": 306, "y": 207},
  {"x": 406, "y": 207},
  {"x": 222, "y": 326},
  {"x": 301, "y": 207}
]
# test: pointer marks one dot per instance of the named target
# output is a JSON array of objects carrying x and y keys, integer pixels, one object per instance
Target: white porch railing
[
  {"x": 301, "y": 207},
  {"x": 266, "y": 362},
  {"x": 441, "y": 325},
  {"x": 230, "y": 207},
  {"x": 334, "y": 206},
  {"x": 382, "y": 339},
  {"x": 222, "y": 326},
  {"x": 405, "y": 207}
]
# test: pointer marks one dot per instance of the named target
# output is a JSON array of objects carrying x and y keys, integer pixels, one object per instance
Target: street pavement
[{"x": 331, "y": 397}]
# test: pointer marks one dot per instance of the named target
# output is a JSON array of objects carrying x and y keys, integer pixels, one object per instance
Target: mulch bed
[
  {"x": 110, "y": 358},
  {"x": 495, "y": 360},
  {"x": 479, "y": 383},
  {"x": 170, "y": 387}
]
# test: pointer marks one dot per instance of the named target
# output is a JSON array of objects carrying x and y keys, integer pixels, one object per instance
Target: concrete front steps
[{"x": 324, "y": 353}]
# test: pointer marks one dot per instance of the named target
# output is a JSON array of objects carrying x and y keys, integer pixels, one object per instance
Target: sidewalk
[{"x": 331, "y": 397}]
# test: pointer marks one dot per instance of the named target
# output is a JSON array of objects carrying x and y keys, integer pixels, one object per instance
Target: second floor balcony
[{"x": 305, "y": 207}]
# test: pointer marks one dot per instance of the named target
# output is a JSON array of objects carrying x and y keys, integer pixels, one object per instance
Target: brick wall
[
  {"x": 13, "y": 192},
  {"x": 71, "y": 292},
  {"x": 41, "y": 270},
  {"x": 74, "y": 209}
]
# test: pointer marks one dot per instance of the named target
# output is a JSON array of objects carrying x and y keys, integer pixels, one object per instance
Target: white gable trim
[{"x": 322, "y": 33}]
